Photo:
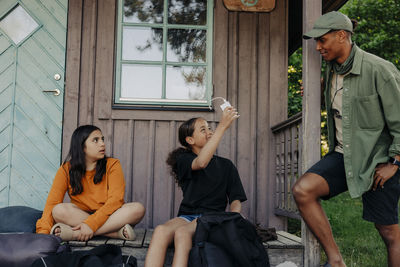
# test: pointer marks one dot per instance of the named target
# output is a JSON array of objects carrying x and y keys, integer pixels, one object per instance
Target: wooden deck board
[
  {"x": 287, "y": 248},
  {"x": 117, "y": 242},
  {"x": 97, "y": 241},
  {"x": 138, "y": 242},
  {"x": 147, "y": 239},
  {"x": 289, "y": 236},
  {"x": 77, "y": 244}
]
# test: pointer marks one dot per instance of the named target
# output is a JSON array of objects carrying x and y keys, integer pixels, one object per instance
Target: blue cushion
[{"x": 19, "y": 219}]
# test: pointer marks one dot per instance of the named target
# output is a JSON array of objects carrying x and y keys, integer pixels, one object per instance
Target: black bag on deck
[
  {"x": 101, "y": 256},
  {"x": 226, "y": 239},
  {"x": 21, "y": 249}
]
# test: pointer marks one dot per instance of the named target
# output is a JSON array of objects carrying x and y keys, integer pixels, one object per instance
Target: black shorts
[{"x": 379, "y": 206}]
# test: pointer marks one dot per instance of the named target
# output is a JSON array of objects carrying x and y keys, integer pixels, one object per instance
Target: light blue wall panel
[
  {"x": 37, "y": 77},
  {"x": 55, "y": 27},
  {"x": 7, "y": 74},
  {"x": 30, "y": 119},
  {"x": 4, "y": 43}
]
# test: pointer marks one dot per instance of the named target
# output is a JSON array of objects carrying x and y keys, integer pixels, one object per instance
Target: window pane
[
  {"x": 193, "y": 12},
  {"x": 141, "y": 81},
  {"x": 186, "y": 45},
  {"x": 149, "y": 11},
  {"x": 186, "y": 83},
  {"x": 142, "y": 44},
  {"x": 18, "y": 24}
]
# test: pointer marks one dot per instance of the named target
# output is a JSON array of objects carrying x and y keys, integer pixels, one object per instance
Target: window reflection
[
  {"x": 149, "y": 11},
  {"x": 193, "y": 12},
  {"x": 186, "y": 45},
  {"x": 150, "y": 45},
  {"x": 142, "y": 44},
  {"x": 18, "y": 24},
  {"x": 141, "y": 81},
  {"x": 186, "y": 83}
]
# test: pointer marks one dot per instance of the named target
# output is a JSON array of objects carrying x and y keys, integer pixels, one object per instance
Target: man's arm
[
  {"x": 389, "y": 94},
  {"x": 203, "y": 158}
]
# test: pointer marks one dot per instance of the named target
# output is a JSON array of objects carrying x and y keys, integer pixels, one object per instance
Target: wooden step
[{"x": 287, "y": 248}]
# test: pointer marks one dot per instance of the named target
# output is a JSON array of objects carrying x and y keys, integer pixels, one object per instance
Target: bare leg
[
  {"x": 183, "y": 244},
  {"x": 129, "y": 213},
  {"x": 307, "y": 192},
  {"x": 391, "y": 237},
  {"x": 68, "y": 214},
  {"x": 162, "y": 237}
]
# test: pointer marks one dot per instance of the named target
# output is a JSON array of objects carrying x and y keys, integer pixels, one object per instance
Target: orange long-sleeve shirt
[{"x": 101, "y": 199}]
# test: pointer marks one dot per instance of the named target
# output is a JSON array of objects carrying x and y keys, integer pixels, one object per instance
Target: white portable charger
[{"x": 223, "y": 105}]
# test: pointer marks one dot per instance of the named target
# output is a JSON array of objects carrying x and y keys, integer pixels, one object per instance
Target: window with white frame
[{"x": 164, "y": 52}]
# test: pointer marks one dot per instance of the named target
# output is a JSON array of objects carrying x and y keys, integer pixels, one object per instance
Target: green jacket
[{"x": 370, "y": 118}]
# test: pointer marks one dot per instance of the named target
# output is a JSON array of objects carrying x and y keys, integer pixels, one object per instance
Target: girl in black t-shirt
[{"x": 207, "y": 182}]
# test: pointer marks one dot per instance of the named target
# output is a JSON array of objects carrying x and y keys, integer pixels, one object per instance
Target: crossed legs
[
  {"x": 130, "y": 213},
  {"x": 176, "y": 230},
  {"x": 307, "y": 192}
]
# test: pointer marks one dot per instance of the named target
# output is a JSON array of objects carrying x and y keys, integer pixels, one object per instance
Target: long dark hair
[
  {"x": 76, "y": 158},
  {"x": 185, "y": 130}
]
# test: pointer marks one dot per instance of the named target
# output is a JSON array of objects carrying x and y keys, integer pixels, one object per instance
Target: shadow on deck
[{"x": 287, "y": 248}]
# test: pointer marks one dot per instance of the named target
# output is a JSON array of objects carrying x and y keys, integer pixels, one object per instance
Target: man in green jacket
[{"x": 362, "y": 97}]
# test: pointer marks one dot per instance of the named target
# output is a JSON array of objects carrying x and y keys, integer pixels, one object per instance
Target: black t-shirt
[{"x": 208, "y": 189}]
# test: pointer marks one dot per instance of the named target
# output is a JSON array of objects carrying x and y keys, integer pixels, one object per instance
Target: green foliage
[
  {"x": 294, "y": 83},
  {"x": 378, "y": 29},
  {"x": 294, "y": 227}
]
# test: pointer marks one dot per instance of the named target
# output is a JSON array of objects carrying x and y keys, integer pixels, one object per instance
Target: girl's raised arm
[{"x": 206, "y": 153}]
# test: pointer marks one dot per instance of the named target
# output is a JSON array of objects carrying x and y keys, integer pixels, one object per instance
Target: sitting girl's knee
[
  {"x": 162, "y": 231},
  {"x": 182, "y": 233},
  {"x": 140, "y": 210},
  {"x": 136, "y": 210},
  {"x": 59, "y": 211}
]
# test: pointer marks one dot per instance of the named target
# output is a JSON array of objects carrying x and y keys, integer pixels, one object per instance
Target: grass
[{"x": 358, "y": 240}]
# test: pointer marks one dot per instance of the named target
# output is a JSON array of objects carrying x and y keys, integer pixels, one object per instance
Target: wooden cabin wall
[{"x": 249, "y": 69}]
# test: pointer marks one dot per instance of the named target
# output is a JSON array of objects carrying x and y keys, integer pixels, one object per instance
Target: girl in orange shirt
[{"x": 96, "y": 187}]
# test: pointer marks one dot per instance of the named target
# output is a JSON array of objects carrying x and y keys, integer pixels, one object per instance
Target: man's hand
[
  {"x": 85, "y": 232},
  {"x": 383, "y": 172},
  {"x": 302, "y": 87}
]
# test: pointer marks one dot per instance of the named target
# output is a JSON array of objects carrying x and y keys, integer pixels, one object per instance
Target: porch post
[{"x": 311, "y": 145}]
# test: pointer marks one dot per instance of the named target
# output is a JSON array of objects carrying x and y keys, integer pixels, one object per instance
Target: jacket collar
[{"x": 358, "y": 58}]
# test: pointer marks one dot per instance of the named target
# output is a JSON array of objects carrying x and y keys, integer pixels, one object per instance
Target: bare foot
[
  {"x": 57, "y": 232},
  {"x": 125, "y": 233}
]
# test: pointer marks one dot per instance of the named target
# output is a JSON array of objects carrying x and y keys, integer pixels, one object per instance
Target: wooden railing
[{"x": 287, "y": 147}]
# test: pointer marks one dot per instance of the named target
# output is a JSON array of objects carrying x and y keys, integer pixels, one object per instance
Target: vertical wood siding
[{"x": 250, "y": 70}]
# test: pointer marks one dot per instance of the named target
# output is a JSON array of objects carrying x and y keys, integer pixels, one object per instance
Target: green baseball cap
[{"x": 330, "y": 21}]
